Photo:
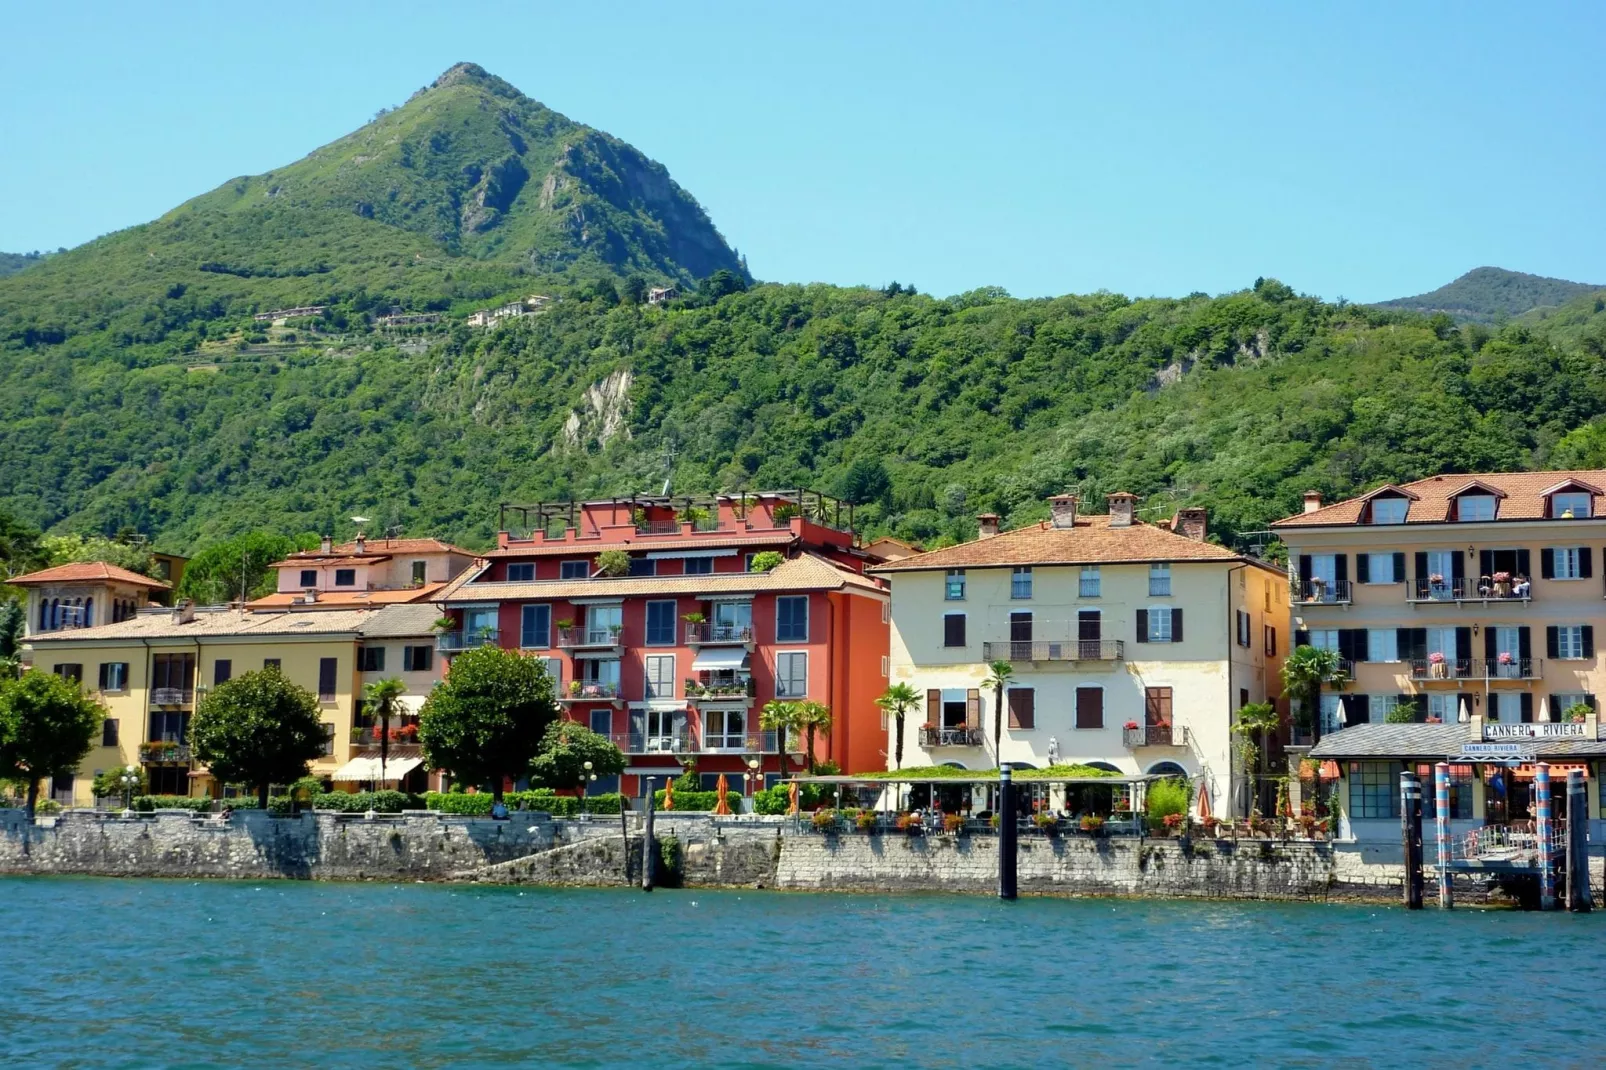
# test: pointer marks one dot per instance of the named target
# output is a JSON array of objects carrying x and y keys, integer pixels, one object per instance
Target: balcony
[
  {"x": 935, "y": 736},
  {"x": 1507, "y": 667},
  {"x": 366, "y": 729},
  {"x": 164, "y": 752},
  {"x": 588, "y": 638},
  {"x": 582, "y": 691},
  {"x": 1464, "y": 590},
  {"x": 1155, "y": 735},
  {"x": 1320, "y": 592},
  {"x": 708, "y": 633},
  {"x": 1055, "y": 650},
  {"x": 762, "y": 742},
  {"x": 680, "y": 741},
  {"x": 172, "y": 696},
  {"x": 739, "y": 690},
  {"x": 1426, "y": 669},
  {"x": 452, "y": 642}
]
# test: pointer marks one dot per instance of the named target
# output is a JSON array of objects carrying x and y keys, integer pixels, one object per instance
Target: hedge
[
  {"x": 696, "y": 801},
  {"x": 542, "y": 799},
  {"x": 197, "y": 803}
]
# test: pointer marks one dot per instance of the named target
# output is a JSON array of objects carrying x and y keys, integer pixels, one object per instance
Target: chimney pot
[
  {"x": 989, "y": 524},
  {"x": 327, "y": 544},
  {"x": 1123, "y": 508},
  {"x": 1313, "y": 500},
  {"x": 1062, "y": 510},
  {"x": 1190, "y": 522},
  {"x": 309, "y": 594},
  {"x": 362, "y": 543}
]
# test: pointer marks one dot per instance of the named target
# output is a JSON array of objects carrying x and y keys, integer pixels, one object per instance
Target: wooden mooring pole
[
  {"x": 1545, "y": 829},
  {"x": 1441, "y": 832},
  {"x": 1007, "y": 832},
  {"x": 649, "y": 850},
  {"x": 1579, "y": 896},
  {"x": 1411, "y": 838}
]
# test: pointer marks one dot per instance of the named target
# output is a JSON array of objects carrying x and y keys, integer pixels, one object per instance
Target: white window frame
[
  {"x": 1557, "y": 509},
  {"x": 1441, "y": 640},
  {"x": 1090, "y": 582},
  {"x": 953, "y": 581},
  {"x": 1160, "y": 581},
  {"x": 521, "y": 565},
  {"x": 1330, "y": 705},
  {"x": 1157, "y": 633},
  {"x": 1378, "y": 707},
  {"x": 566, "y": 570},
  {"x": 1569, "y": 555},
  {"x": 603, "y": 633},
  {"x": 780, "y": 654},
  {"x": 648, "y": 676},
  {"x": 1386, "y": 560},
  {"x": 1493, "y": 508},
  {"x": 1569, "y": 642},
  {"x": 1382, "y": 644},
  {"x": 1015, "y": 584},
  {"x": 1404, "y": 505},
  {"x": 554, "y": 669},
  {"x": 1323, "y": 638}
]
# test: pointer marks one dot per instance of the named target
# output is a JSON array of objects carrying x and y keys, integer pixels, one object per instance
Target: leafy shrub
[
  {"x": 1167, "y": 797},
  {"x": 360, "y": 802},
  {"x": 765, "y": 560},
  {"x": 613, "y": 562},
  {"x": 697, "y": 801},
  {"x": 199, "y": 804},
  {"x": 777, "y": 800},
  {"x": 541, "y": 799},
  {"x": 47, "y": 806}
]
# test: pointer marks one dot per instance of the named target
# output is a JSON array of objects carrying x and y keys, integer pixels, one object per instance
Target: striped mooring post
[
  {"x": 1544, "y": 828},
  {"x": 1441, "y": 830},
  {"x": 1007, "y": 829},
  {"x": 1411, "y": 838},
  {"x": 1579, "y": 896}
]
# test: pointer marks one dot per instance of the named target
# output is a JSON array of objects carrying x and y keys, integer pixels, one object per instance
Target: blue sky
[{"x": 1357, "y": 150}]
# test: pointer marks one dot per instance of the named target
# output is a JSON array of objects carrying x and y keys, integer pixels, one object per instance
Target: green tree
[
  {"x": 64, "y": 549},
  {"x": 47, "y": 726},
  {"x": 765, "y": 560},
  {"x": 565, "y": 749},
  {"x": 487, "y": 719},
  {"x": 1000, "y": 674},
  {"x": 258, "y": 729},
  {"x": 110, "y": 783},
  {"x": 721, "y": 283},
  {"x": 813, "y": 717},
  {"x": 384, "y": 700},
  {"x": 785, "y": 718},
  {"x": 19, "y": 546},
  {"x": 633, "y": 290},
  {"x": 1304, "y": 671},
  {"x": 613, "y": 562},
  {"x": 1254, "y": 728},
  {"x": 223, "y": 569},
  {"x": 865, "y": 481},
  {"x": 897, "y": 702}
]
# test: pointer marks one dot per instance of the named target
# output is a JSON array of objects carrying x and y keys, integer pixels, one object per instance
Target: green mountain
[
  {"x": 1487, "y": 294},
  {"x": 137, "y": 390},
  {"x": 11, "y": 263}
]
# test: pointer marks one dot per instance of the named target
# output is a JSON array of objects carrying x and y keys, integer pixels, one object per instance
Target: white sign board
[
  {"x": 1541, "y": 730},
  {"x": 1496, "y": 751}
]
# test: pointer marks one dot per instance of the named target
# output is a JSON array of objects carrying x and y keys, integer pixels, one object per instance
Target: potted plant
[
  {"x": 408, "y": 733},
  {"x": 1210, "y": 824},
  {"x": 1502, "y": 584},
  {"x": 1576, "y": 713},
  {"x": 1092, "y": 824},
  {"x": 865, "y": 820},
  {"x": 1047, "y": 823},
  {"x": 443, "y": 624},
  {"x": 614, "y": 630},
  {"x": 693, "y": 618},
  {"x": 953, "y": 823},
  {"x": 824, "y": 820},
  {"x": 565, "y": 624},
  {"x": 1172, "y": 823},
  {"x": 1130, "y": 725},
  {"x": 575, "y": 687},
  {"x": 1436, "y": 582},
  {"x": 909, "y": 823},
  {"x": 1436, "y": 665}
]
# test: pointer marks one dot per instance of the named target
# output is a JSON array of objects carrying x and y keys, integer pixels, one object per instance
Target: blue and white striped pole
[
  {"x": 1441, "y": 828},
  {"x": 1544, "y": 827}
]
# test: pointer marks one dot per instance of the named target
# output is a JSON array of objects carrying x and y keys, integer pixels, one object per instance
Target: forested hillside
[
  {"x": 11, "y": 263},
  {"x": 138, "y": 392},
  {"x": 1488, "y": 294}
]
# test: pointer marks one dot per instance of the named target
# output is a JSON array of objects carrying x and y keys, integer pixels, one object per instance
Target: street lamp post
[
  {"x": 130, "y": 781},
  {"x": 586, "y": 777}
]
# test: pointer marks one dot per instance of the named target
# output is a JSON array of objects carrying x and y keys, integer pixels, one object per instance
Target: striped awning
[{"x": 367, "y": 768}]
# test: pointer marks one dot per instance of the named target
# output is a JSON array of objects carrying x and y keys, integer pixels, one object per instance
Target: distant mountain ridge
[
  {"x": 1486, "y": 294},
  {"x": 11, "y": 263}
]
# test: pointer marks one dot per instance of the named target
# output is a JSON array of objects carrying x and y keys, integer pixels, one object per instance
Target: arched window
[
  {"x": 1168, "y": 769},
  {"x": 1106, "y": 766},
  {"x": 89, "y": 612},
  {"x": 1022, "y": 765},
  {"x": 953, "y": 765},
  {"x": 55, "y": 613},
  {"x": 44, "y": 614}
]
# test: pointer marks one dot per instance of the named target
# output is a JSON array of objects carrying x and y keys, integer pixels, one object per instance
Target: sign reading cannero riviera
[
  {"x": 1541, "y": 730},
  {"x": 1515, "y": 751}
]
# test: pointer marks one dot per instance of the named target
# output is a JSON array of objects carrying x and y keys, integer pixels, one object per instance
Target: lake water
[{"x": 107, "y": 974}]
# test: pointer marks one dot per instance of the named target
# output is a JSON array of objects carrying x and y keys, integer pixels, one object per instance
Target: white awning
[
  {"x": 670, "y": 555},
  {"x": 711, "y": 658},
  {"x": 411, "y": 703},
  {"x": 367, "y": 768}
]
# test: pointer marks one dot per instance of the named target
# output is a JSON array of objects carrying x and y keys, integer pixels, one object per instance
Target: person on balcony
[
  {"x": 1485, "y": 586},
  {"x": 1521, "y": 587}
]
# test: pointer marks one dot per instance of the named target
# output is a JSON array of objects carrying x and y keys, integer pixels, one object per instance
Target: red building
[{"x": 674, "y": 654}]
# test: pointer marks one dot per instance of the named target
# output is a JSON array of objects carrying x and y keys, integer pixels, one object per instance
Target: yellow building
[
  {"x": 1463, "y": 611},
  {"x": 1132, "y": 645},
  {"x": 151, "y": 670}
]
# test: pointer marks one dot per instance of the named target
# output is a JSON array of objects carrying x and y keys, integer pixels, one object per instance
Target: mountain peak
[
  {"x": 474, "y": 74},
  {"x": 1485, "y": 294}
]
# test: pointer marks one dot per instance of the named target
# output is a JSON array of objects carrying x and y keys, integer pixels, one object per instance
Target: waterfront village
[{"x": 751, "y": 653}]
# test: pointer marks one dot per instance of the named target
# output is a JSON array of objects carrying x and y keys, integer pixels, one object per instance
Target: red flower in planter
[{"x": 1130, "y": 725}]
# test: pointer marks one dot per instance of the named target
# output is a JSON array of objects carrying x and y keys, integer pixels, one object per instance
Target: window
[
  {"x": 1566, "y": 700},
  {"x": 328, "y": 738},
  {"x": 71, "y": 671},
  {"x": 114, "y": 676},
  {"x": 733, "y": 620},
  {"x": 271, "y": 663},
  {"x": 1382, "y": 644},
  {"x": 1271, "y": 641},
  {"x": 175, "y": 672},
  {"x": 660, "y": 677},
  {"x": 886, "y": 612},
  {"x": 1090, "y": 581},
  {"x": 604, "y": 623},
  {"x": 1159, "y": 624},
  {"x": 1569, "y": 642},
  {"x": 417, "y": 658},
  {"x": 1381, "y": 568},
  {"x": 1020, "y": 582},
  {"x": 421, "y": 571},
  {"x": 1159, "y": 579},
  {"x": 1571, "y": 505},
  {"x": 661, "y": 623},
  {"x": 747, "y": 562},
  {"x": 1389, "y": 510},
  {"x": 1374, "y": 789},
  {"x": 328, "y": 669},
  {"x": 1243, "y": 628},
  {"x": 1323, "y": 639},
  {"x": 108, "y": 732},
  {"x": 554, "y": 669},
  {"x": 1380, "y": 706},
  {"x": 1460, "y": 791},
  {"x": 792, "y": 619},
  {"x": 725, "y": 729},
  {"x": 535, "y": 627},
  {"x": 791, "y": 675},
  {"x": 309, "y": 577},
  {"x": 643, "y": 566},
  {"x": 599, "y": 673},
  {"x": 169, "y": 726},
  {"x": 371, "y": 659},
  {"x": 1022, "y": 707},
  {"x": 699, "y": 566},
  {"x": 1330, "y": 721},
  {"x": 521, "y": 572},
  {"x": 1090, "y": 707},
  {"x": 1565, "y": 563},
  {"x": 885, "y": 665},
  {"x": 222, "y": 671},
  {"x": 574, "y": 570},
  {"x": 1446, "y": 706},
  {"x": 953, "y": 629},
  {"x": 602, "y": 722},
  {"x": 954, "y": 709},
  {"x": 345, "y": 577},
  {"x": 1475, "y": 507},
  {"x": 954, "y": 585}
]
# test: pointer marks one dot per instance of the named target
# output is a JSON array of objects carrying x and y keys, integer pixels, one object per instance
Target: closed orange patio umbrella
[
  {"x": 721, "y": 786},
  {"x": 669, "y": 794},
  {"x": 1204, "y": 802},
  {"x": 792, "y": 796}
]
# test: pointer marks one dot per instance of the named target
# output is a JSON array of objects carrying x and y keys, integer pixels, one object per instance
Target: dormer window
[
  {"x": 1571, "y": 505},
  {"x": 1471, "y": 508},
  {"x": 1389, "y": 510}
]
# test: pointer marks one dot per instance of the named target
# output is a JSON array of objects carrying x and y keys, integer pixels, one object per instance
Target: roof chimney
[
  {"x": 184, "y": 611},
  {"x": 1062, "y": 510},
  {"x": 1313, "y": 500},
  {"x": 327, "y": 544},
  {"x": 989, "y": 524},
  {"x": 1123, "y": 508},
  {"x": 1190, "y": 522},
  {"x": 309, "y": 594},
  {"x": 361, "y": 543}
]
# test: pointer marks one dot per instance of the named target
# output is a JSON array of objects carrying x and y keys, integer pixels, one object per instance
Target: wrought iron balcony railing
[
  {"x": 1443, "y": 669},
  {"x": 1156, "y": 735},
  {"x": 709, "y": 632},
  {"x": 1320, "y": 592},
  {"x": 1055, "y": 650},
  {"x": 466, "y": 640},
  {"x": 962, "y": 736},
  {"x": 172, "y": 696}
]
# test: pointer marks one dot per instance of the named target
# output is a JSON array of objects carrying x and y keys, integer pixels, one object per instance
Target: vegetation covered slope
[
  {"x": 11, "y": 263},
  {"x": 1487, "y": 294}
]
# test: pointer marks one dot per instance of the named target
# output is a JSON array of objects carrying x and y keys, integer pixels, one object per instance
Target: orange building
[
  {"x": 674, "y": 656},
  {"x": 365, "y": 573}
]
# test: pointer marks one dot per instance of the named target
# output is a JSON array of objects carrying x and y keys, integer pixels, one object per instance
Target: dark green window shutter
[{"x": 1547, "y": 564}]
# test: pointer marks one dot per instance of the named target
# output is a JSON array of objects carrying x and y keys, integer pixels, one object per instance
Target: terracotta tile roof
[
  {"x": 588, "y": 547},
  {"x": 1091, "y": 542},
  {"x": 806, "y": 572},
  {"x": 1521, "y": 497},
  {"x": 346, "y": 599},
  {"x": 343, "y": 553},
  {"x": 216, "y": 623},
  {"x": 87, "y": 572}
]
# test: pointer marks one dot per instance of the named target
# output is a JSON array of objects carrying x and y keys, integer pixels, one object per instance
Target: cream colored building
[
  {"x": 151, "y": 670},
  {"x": 84, "y": 594},
  {"x": 1132, "y": 645},
  {"x": 365, "y": 573}
]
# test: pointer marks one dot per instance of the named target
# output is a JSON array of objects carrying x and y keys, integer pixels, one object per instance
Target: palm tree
[
  {"x": 813, "y": 717},
  {"x": 781, "y": 717},
  {"x": 1001, "y": 672},
  {"x": 1304, "y": 671},
  {"x": 384, "y": 699},
  {"x": 897, "y": 701},
  {"x": 1256, "y": 722}
]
